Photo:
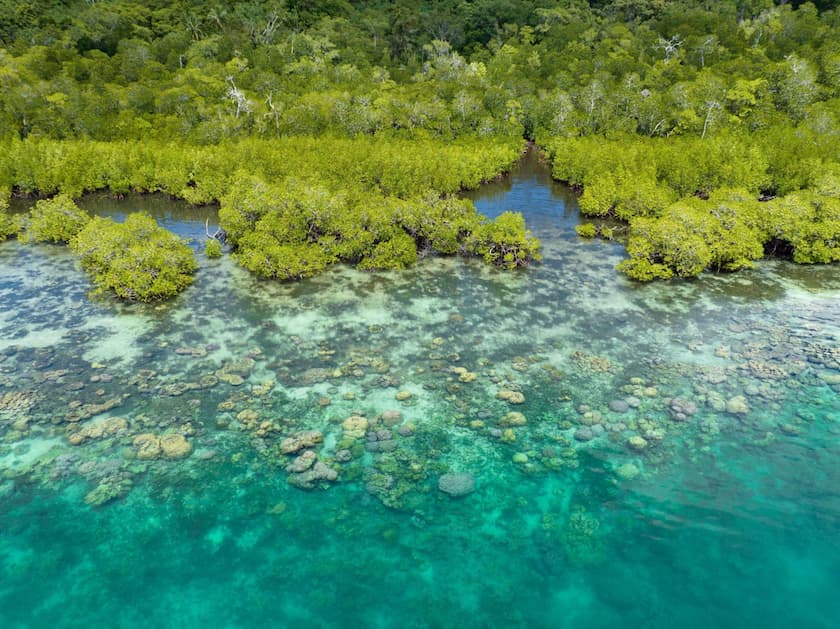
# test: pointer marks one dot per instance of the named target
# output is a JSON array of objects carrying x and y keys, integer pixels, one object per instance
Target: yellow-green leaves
[
  {"x": 9, "y": 225},
  {"x": 398, "y": 252},
  {"x": 586, "y": 230},
  {"x": 54, "y": 220},
  {"x": 693, "y": 204},
  {"x": 137, "y": 259},
  {"x": 293, "y": 230},
  {"x": 505, "y": 242},
  {"x": 293, "y": 206},
  {"x": 213, "y": 248},
  {"x": 810, "y": 223},
  {"x": 269, "y": 258}
]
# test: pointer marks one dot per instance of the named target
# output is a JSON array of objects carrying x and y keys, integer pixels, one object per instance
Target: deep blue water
[{"x": 725, "y": 517}]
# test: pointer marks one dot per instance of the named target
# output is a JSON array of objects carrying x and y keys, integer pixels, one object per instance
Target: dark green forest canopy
[
  {"x": 645, "y": 104},
  {"x": 206, "y": 71}
]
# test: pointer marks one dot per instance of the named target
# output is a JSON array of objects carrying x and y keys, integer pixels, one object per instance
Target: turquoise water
[{"x": 677, "y": 464}]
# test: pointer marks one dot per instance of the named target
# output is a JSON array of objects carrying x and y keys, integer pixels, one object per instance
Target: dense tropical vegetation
[
  {"x": 55, "y": 220},
  {"x": 339, "y": 130},
  {"x": 137, "y": 259}
]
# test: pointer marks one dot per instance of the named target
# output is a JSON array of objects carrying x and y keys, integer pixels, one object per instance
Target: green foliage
[
  {"x": 600, "y": 196},
  {"x": 505, "y": 242},
  {"x": 730, "y": 231},
  {"x": 213, "y": 248},
  {"x": 265, "y": 256},
  {"x": 658, "y": 186},
  {"x": 206, "y": 73},
  {"x": 439, "y": 225},
  {"x": 809, "y": 223},
  {"x": 335, "y": 127},
  {"x": 586, "y": 230},
  {"x": 397, "y": 252},
  {"x": 295, "y": 230},
  {"x": 9, "y": 225},
  {"x": 641, "y": 176},
  {"x": 642, "y": 197},
  {"x": 201, "y": 174},
  {"x": 305, "y": 203},
  {"x": 137, "y": 259},
  {"x": 55, "y": 220},
  {"x": 664, "y": 247}
]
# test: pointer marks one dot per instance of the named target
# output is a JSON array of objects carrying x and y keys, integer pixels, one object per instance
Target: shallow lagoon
[{"x": 726, "y": 512}]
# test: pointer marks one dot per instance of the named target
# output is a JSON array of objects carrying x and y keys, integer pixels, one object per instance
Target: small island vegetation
[
  {"x": 213, "y": 248},
  {"x": 138, "y": 260},
  {"x": 343, "y": 131}
]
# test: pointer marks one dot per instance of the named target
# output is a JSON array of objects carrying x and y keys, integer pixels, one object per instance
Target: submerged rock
[
  {"x": 315, "y": 375},
  {"x": 301, "y": 440},
  {"x": 105, "y": 428},
  {"x": 235, "y": 372},
  {"x": 108, "y": 490},
  {"x": 247, "y": 416},
  {"x": 230, "y": 378},
  {"x": 148, "y": 446},
  {"x": 343, "y": 456},
  {"x": 628, "y": 471},
  {"x": 259, "y": 390},
  {"x": 391, "y": 417},
  {"x": 388, "y": 445},
  {"x": 195, "y": 352},
  {"x": 205, "y": 454},
  {"x": 619, "y": 406},
  {"x": 151, "y": 446},
  {"x": 319, "y": 472},
  {"x": 737, "y": 405},
  {"x": 241, "y": 367},
  {"x": 637, "y": 443},
  {"x": 381, "y": 441},
  {"x": 581, "y": 540},
  {"x": 302, "y": 462},
  {"x": 681, "y": 409},
  {"x": 457, "y": 484},
  {"x": 354, "y": 427},
  {"x": 511, "y": 397},
  {"x": 591, "y": 418},
  {"x": 175, "y": 446},
  {"x": 86, "y": 411},
  {"x": 791, "y": 429},
  {"x": 829, "y": 378},
  {"x": 207, "y": 381},
  {"x": 514, "y": 418},
  {"x": 467, "y": 376}
]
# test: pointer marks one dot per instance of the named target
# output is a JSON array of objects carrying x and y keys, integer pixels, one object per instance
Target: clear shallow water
[{"x": 723, "y": 518}]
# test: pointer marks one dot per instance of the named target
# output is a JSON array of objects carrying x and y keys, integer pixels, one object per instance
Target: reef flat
[{"x": 444, "y": 445}]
